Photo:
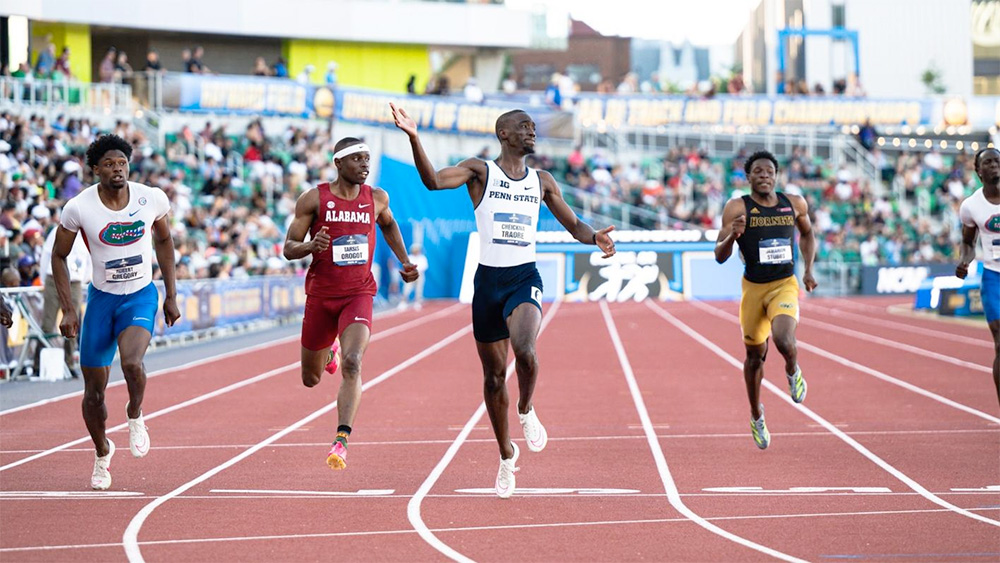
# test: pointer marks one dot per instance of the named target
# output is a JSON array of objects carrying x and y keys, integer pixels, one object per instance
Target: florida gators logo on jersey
[
  {"x": 122, "y": 234},
  {"x": 993, "y": 224}
]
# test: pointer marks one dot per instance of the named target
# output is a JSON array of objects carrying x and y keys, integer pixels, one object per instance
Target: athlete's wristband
[{"x": 595, "y": 238}]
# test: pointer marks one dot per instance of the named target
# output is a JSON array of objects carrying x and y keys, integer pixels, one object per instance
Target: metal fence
[{"x": 108, "y": 98}]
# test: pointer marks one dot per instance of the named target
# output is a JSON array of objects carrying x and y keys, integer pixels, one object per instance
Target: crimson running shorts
[{"x": 326, "y": 317}]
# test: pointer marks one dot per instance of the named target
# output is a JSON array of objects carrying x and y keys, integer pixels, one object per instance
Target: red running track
[{"x": 895, "y": 454}]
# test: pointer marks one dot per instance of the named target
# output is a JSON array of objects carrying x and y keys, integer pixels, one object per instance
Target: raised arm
[
  {"x": 807, "y": 240},
  {"x": 305, "y": 211},
  {"x": 734, "y": 222},
  {"x": 581, "y": 231},
  {"x": 447, "y": 178},
  {"x": 390, "y": 230}
]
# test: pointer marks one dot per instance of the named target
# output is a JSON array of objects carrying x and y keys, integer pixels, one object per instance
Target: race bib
[
  {"x": 995, "y": 247},
  {"x": 511, "y": 228},
  {"x": 350, "y": 250},
  {"x": 123, "y": 269},
  {"x": 776, "y": 251}
]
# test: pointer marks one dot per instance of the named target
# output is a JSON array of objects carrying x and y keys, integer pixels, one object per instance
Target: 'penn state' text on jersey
[
  {"x": 768, "y": 243},
  {"x": 507, "y": 217}
]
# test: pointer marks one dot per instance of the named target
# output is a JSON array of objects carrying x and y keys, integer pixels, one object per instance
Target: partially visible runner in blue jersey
[
  {"x": 121, "y": 222},
  {"x": 507, "y": 300}
]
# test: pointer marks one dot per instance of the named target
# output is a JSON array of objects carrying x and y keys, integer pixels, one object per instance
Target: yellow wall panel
[
  {"x": 74, "y": 36},
  {"x": 382, "y": 66}
]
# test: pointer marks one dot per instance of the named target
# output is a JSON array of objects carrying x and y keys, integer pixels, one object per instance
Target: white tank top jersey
[
  {"x": 507, "y": 217},
  {"x": 120, "y": 242},
  {"x": 977, "y": 211}
]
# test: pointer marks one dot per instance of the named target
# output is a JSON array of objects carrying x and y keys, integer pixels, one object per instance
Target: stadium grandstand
[{"x": 233, "y": 110}]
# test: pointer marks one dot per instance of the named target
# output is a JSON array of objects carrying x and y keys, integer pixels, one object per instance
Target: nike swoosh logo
[
  {"x": 363, "y": 206},
  {"x": 360, "y": 319},
  {"x": 139, "y": 319},
  {"x": 529, "y": 187},
  {"x": 134, "y": 212}
]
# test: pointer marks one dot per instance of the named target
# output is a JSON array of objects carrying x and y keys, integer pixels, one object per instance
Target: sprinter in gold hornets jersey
[{"x": 763, "y": 225}]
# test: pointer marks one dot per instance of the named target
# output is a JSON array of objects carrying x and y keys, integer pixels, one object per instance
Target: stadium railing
[{"x": 71, "y": 94}]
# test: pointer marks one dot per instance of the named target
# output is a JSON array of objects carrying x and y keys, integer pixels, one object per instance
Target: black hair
[
  {"x": 346, "y": 142},
  {"x": 980, "y": 154},
  {"x": 757, "y": 156},
  {"x": 505, "y": 118},
  {"x": 103, "y": 145}
]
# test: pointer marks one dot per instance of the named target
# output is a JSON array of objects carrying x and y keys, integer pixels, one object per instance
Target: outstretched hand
[
  {"x": 604, "y": 241},
  {"x": 403, "y": 120},
  {"x": 409, "y": 272}
]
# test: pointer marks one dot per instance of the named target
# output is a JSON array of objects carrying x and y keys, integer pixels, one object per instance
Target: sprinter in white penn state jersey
[{"x": 507, "y": 302}]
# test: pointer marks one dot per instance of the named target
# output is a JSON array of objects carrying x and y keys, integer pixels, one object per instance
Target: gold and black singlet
[{"x": 768, "y": 243}]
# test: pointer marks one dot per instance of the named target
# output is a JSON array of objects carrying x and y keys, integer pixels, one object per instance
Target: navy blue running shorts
[{"x": 497, "y": 292}]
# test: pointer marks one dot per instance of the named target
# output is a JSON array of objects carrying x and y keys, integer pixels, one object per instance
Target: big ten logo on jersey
[
  {"x": 536, "y": 295},
  {"x": 498, "y": 183}
]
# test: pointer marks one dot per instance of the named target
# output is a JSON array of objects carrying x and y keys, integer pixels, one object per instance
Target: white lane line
[
  {"x": 413, "y": 507},
  {"x": 478, "y": 493},
  {"x": 223, "y": 356},
  {"x": 822, "y": 421},
  {"x": 865, "y": 369},
  {"x": 156, "y": 414},
  {"x": 812, "y": 321},
  {"x": 673, "y": 495},
  {"x": 883, "y": 323},
  {"x": 485, "y": 528},
  {"x": 130, "y": 540},
  {"x": 216, "y": 393},
  {"x": 819, "y": 434}
]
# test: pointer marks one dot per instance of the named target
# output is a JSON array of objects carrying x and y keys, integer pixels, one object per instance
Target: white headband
[{"x": 360, "y": 147}]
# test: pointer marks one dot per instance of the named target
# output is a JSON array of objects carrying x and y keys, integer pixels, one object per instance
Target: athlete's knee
[
  {"x": 350, "y": 364},
  {"x": 785, "y": 343},
  {"x": 754, "y": 359},
  {"x": 310, "y": 378},
  {"x": 132, "y": 368},
  {"x": 525, "y": 354},
  {"x": 93, "y": 398},
  {"x": 494, "y": 381}
]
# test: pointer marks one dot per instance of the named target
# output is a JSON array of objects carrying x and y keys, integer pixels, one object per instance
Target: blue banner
[
  {"x": 445, "y": 114},
  {"x": 595, "y": 110},
  {"x": 216, "y": 303},
  {"x": 242, "y": 95}
]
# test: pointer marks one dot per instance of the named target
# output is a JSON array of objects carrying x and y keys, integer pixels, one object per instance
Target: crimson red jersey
[{"x": 345, "y": 268}]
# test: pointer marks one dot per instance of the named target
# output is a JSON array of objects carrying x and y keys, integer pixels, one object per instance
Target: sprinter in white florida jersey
[
  {"x": 507, "y": 302},
  {"x": 121, "y": 222},
  {"x": 980, "y": 214}
]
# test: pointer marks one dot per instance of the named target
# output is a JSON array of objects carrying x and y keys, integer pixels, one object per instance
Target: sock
[{"x": 343, "y": 432}]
